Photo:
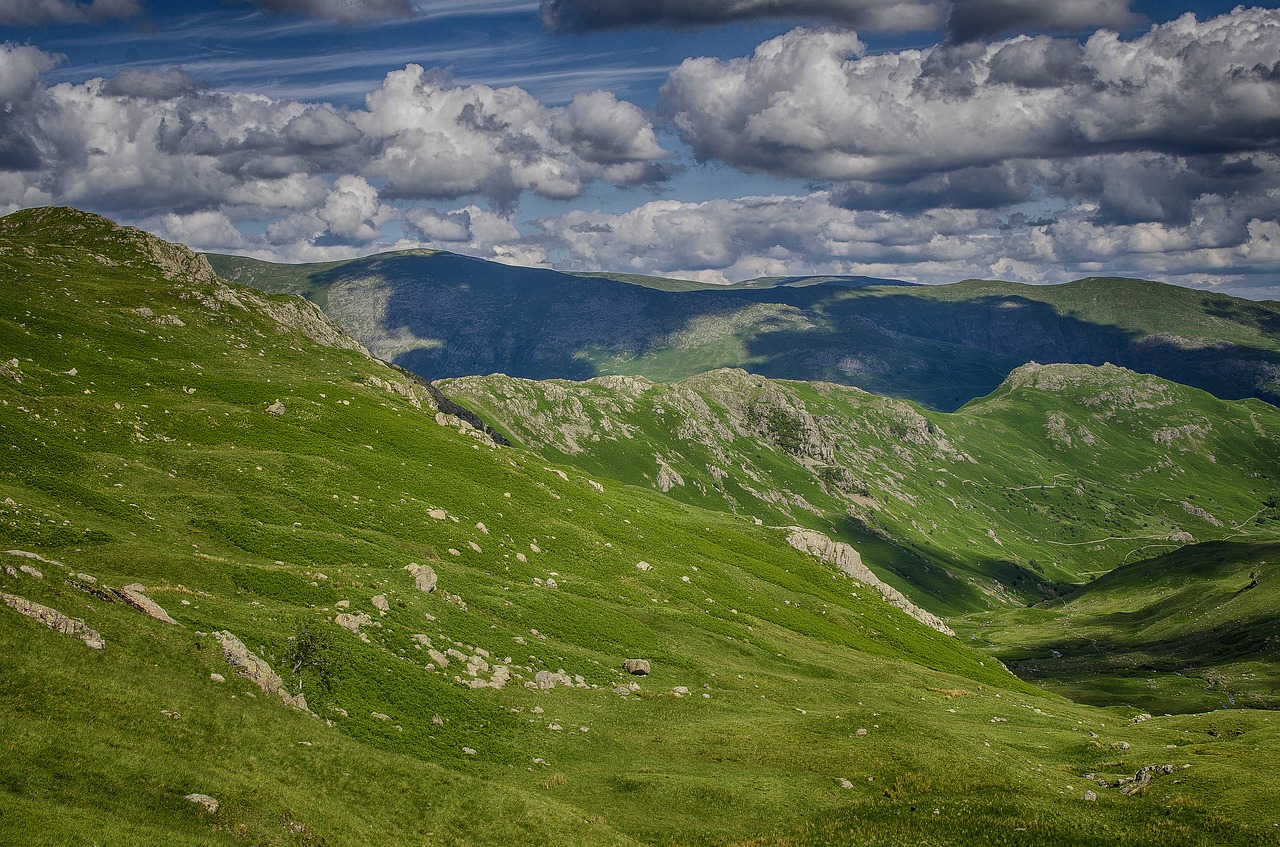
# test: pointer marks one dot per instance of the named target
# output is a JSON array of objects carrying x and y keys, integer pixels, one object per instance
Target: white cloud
[
  {"x": 431, "y": 139},
  {"x": 732, "y": 240},
  {"x": 812, "y": 104},
  {"x": 37, "y": 12}
]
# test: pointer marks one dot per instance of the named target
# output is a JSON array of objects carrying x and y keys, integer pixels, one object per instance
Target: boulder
[
  {"x": 643, "y": 566},
  {"x": 544, "y": 680},
  {"x": 276, "y": 408},
  {"x": 352, "y": 623},
  {"x": 380, "y": 603},
  {"x": 424, "y": 577},
  {"x": 636, "y": 667}
]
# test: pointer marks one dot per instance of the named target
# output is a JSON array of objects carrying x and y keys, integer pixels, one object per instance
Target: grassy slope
[
  {"x": 1188, "y": 631},
  {"x": 443, "y": 315},
  {"x": 1064, "y": 473},
  {"x": 119, "y": 470}
]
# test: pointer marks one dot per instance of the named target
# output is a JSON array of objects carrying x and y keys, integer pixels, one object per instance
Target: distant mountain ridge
[{"x": 443, "y": 315}]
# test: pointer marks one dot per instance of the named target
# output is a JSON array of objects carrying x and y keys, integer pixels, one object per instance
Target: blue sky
[{"x": 712, "y": 139}]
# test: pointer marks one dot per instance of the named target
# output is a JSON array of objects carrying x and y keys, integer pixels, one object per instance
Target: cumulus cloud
[
  {"x": 343, "y": 11},
  {"x": 971, "y": 20},
  {"x": 431, "y": 139},
  {"x": 732, "y": 240},
  {"x": 152, "y": 85},
  {"x": 38, "y": 12},
  {"x": 812, "y": 104},
  {"x": 882, "y": 15}
]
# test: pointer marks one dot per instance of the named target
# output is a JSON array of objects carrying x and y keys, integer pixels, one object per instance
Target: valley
[{"x": 456, "y": 609}]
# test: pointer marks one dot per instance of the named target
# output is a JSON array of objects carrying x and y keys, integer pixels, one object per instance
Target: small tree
[{"x": 314, "y": 653}]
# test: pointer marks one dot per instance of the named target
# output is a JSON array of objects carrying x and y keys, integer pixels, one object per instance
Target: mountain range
[
  {"x": 261, "y": 586},
  {"x": 442, "y": 315}
]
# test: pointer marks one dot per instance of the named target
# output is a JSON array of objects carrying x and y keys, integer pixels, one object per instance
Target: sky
[{"x": 717, "y": 140}]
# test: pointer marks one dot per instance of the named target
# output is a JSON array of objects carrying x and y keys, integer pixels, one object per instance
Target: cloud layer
[
  {"x": 343, "y": 11},
  {"x": 882, "y": 15},
  {"x": 161, "y": 145},
  {"x": 39, "y": 12}
]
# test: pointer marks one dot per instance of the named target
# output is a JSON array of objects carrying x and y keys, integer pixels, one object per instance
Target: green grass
[{"x": 237, "y": 519}]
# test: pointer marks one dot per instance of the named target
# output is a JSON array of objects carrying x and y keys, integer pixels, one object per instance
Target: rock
[
  {"x": 31, "y": 572},
  {"x": 453, "y": 551},
  {"x": 544, "y": 680},
  {"x": 210, "y": 804},
  {"x": 217, "y": 677},
  {"x": 861, "y": 731},
  {"x": 644, "y": 566},
  {"x": 533, "y": 547},
  {"x": 424, "y": 577},
  {"x": 276, "y": 408},
  {"x": 343, "y": 604},
  {"x": 352, "y": 623},
  {"x": 554, "y": 727},
  {"x": 550, "y": 583},
  {"x": 437, "y": 720},
  {"x": 850, "y": 563},
  {"x": 622, "y": 691},
  {"x": 438, "y": 514},
  {"x": 482, "y": 528},
  {"x": 144, "y": 604},
  {"x": 380, "y": 603},
  {"x": 595, "y": 486},
  {"x": 1090, "y": 796},
  {"x": 441, "y": 660},
  {"x": 468, "y": 751},
  {"x": 256, "y": 670},
  {"x": 522, "y": 558},
  {"x": 378, "y": 716},
  {"x": 636, "y": 667},
  {"x": 680, "y": 691},
  {"x": 55, "y": 620},
  {"x": 844, "y": 783},
  {"x": 667, "y": 477}
]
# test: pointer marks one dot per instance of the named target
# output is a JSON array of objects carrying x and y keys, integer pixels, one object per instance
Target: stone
[
  {"x": 644, "y": 566},
  {"x": 544, "y": 680},
  {"x": 680, "y": 691},
  {"x": 209, "y": 804},
  {"x": 636, "y": 667},
  {"x": 844, "y": 783},
  {"x": 276, "y": 408},
  {"x": 144, "y": 604},
  {"x": 1090, "y": 796},
  {"x": 256, "y": 670},
  {"x": 622, "y": 691},
  {"x": 424, "y": 577},
  {"x": 380, "y": 603},
  {"x": 378, "y": 716},
  {"x": 468, "y": 751},
  {"x": 438, "y": 514},
  {"x": 217, "y": 677},
  {"x": 550, "y": 583},
  {"x": 31, "y": 572},
  {"x": 343, "y": 604},
  {"x": 55, "y": 620},
  {"x": 482, "y": 528},
  {"x": 352, "y": 623}
]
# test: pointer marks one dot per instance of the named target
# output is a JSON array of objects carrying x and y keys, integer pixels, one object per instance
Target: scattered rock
[
  {"x": 343, "y": 604},
  {"x": 644, "y": 566},
  {"x": 475, "y": 548},
  {"x": 844, "y": 783},
  {"x": 255, "y": 669},
  {"x": 554, "y": 727},
  {"x": 438, "y": 514},
  {"x": 424, "y": 577},
  {"x": 595, "y": 486},
  {"x": 217, "y": 677},
  {"x": 622, "y": 691},
  {"x": 861, "y": 731},
  {"x": 55, "y": 620},
  {"x": 380, "y": 603},
  {"x": 482, "y": 528},
  {"x": 276, "y": 408},
  {"x": 437, "y": 720},
  {"x": 209, "y": 804},
  {"x": 31, "y": 572},
  {"x": 550, "y": 583},
  {"x": 680, "y": 691},
  {"x": 378, "y": 716},
  {"x": 352, "y": 623},
  {"x": 636, "y": 667},
  {"x": 1090, "y": 796},
  {"x": 468, "y": 751},
  {"x": 544, "y": 680}
]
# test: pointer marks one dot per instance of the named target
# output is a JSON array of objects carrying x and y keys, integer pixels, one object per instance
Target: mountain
[
  {"x": 442, "y": 315},
  {"x": 221, "y": 523},
  {"x": 1063, "y": 472}
]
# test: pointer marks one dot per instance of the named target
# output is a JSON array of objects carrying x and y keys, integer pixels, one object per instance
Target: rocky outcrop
[
  {"x": 137, "y": 600},
  {"x": 55, "y": 620},
  {"x": 850, "y": 563},
  {"x": 256, "y": 670}
]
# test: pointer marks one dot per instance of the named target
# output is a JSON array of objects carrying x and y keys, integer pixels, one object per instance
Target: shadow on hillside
[
  {"x": 946, "y": 353},
  {"x": 542, "y": 324}
]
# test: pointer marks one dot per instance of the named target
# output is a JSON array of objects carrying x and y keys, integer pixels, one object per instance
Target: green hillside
[
  {"x": 443, "y": 315},
  {"x": 1192, "y": 630},
  {"x": 1062, "y": 474},
  {"x": 177, "y": 441}
]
